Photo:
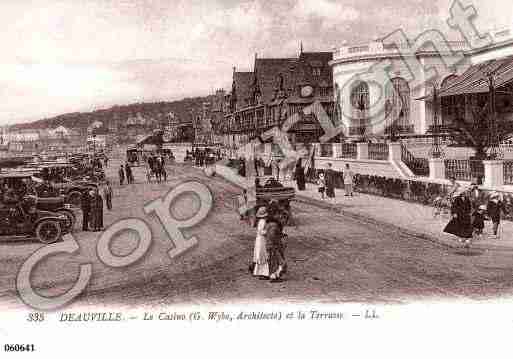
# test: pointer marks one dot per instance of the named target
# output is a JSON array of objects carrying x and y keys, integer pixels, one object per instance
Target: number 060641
[{"x": 19, "y": 347}]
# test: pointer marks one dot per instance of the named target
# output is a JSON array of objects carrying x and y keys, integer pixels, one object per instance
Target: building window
[
  {"x": 325, "y": 91},
  {"x": 360, "y": 101},
  {"x": 399, "y": 104},
  {"x": 316, "y": 71},
  {"x": 448, "y": 105}
]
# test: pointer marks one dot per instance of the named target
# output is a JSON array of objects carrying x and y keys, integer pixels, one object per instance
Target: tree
[
  {"x": 484, "y": 129},
  {"x": 475, "y": 132}
]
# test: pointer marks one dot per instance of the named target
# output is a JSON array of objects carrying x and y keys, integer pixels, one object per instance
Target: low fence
[
  {"x": 348, "y": 150},
  {"x": 378, "y": 151},
  {"x": 465, "y": 170},
  {"x": 508, "y": 172},
  {"x": 409, "y": 190}
]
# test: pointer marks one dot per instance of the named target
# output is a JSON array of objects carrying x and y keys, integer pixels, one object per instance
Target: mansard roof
[{"x": 242, "y": 83}]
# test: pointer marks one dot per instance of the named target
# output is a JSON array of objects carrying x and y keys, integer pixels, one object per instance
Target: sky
[{"x": 62, "y": 56}]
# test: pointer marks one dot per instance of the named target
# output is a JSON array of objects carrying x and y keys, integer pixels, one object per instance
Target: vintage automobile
[
  {"x": 22, "y": 220},
  {"x": 26, "y": 187},
  {"x": 56, "y": 205},
  {"x": 72, "y": 189},
  {"x": 274, "y": 196}
]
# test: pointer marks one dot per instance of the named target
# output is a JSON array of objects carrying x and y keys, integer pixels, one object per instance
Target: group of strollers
[
  {"x": 470, "y": 208},
  {"x": 269, "y": 212}
]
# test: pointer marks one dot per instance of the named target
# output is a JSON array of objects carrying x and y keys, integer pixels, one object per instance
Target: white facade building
[{"x": 386, "y": 82}]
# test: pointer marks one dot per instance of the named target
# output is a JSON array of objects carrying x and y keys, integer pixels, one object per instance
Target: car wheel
[
  {"x": 74, "y": 197},
  {"x": 70, "y": 219},
  {"x": 48, "y": 231}
]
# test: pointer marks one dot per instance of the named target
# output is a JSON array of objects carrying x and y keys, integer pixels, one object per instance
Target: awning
[{"x": 475, "y": 80}]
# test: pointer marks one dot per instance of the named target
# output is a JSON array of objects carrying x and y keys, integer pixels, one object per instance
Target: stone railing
[{"x": 380, "y": 48}]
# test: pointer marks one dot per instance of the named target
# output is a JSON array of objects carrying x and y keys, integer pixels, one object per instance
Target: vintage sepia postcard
[{"x": 249, "y": 178}]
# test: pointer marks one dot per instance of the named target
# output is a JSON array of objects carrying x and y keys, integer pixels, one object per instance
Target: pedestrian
[
  {"x": 299, "y": 175},
  {"x": 107, "y": 194},
  {"x": 348, "y": 181},
  {"x": 330, "y": 182},
  {"x": 129, "y": 176},
  {"x": 321, "y": 183},
  {"x": 275, "y": 247},
  {"x": 85, "y": 205},
  {"x": 476, "y": 196},
  {"x": 151, "y": 163},
  {"x": 478, "y": 219},
  {"x": 242, "y": 167},
  {"x": 453, "y": 187},
  {"x": 275, "y": 166},
  {"x": 121, "y": 173},
  {"x": 261, "y": 167},
  {"x": 260, "y": 255},
  {"x": 494, "y": 209},
  {"x": 97, "y": 207},
  {"x": 460, "y": 224}
]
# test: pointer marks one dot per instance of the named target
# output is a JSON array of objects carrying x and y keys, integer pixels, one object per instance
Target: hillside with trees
[{"x": 156, "y": 110}]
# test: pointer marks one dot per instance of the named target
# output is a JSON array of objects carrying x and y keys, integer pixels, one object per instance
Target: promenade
[{"x": 413, "y": 218}]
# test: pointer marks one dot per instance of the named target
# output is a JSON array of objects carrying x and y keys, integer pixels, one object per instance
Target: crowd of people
[
  {"x": 204, "y": 157},
  {"x": 125, "y": 173},
  {"x": 470, "y": 209}
]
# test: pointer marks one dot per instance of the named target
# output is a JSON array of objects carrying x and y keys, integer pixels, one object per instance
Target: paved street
[{"x": 332, "y": 258}]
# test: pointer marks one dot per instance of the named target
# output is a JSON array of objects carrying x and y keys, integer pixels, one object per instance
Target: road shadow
[{"x": 468, "y": 252}]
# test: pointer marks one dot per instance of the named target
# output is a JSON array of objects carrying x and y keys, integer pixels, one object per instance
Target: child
[
  {"x": 478, "y": 218},
  {"x": 321, "y": 182}
]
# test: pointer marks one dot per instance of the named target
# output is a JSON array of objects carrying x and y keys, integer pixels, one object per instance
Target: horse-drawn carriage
[
  {"x": 156, "y": 170},
  {"x": 272, "y": 195}
]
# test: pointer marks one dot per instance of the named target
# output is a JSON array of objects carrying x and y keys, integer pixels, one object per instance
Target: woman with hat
[
  {"x": 494, "y": 209},
  {"x": 461, "y": 222},
  {"x": 260, "y": 255}
]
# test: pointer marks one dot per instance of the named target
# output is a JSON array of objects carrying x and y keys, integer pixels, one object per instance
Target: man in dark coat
[
  {"x": 85, "y": 204},
  {"x": 299, "y": 175},
  {"x": 330, "y": 182},
  {"x": 494, "y": 209},
  {"x": 98, "y": 211},
  {"x": 128, "y": 171},
  {"x": 121, "y": 173}
]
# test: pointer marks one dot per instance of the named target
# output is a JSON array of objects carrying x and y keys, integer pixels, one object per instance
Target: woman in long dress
[
  {"x": 276, "y": 250},
  {"x": 461, "y": 222},
  {"x": 260, "y": 255}
]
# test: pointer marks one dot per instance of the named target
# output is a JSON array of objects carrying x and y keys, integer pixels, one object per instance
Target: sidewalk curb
[{"x": 370, "y": 219}]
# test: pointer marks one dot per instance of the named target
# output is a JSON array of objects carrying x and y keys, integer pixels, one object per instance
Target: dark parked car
[
  {"x": 24, "y": 220},
  {"x": 42, "y": 194}
]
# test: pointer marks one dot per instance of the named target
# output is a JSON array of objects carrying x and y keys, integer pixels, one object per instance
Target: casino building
[
  {"x": 276, "y": 89},
  {"x": 404, "y": 96}
]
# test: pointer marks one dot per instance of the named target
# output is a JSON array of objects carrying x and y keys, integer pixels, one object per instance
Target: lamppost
[
  {"x": 494, "y": 151},
  {"x": 436, "y": 151}
]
